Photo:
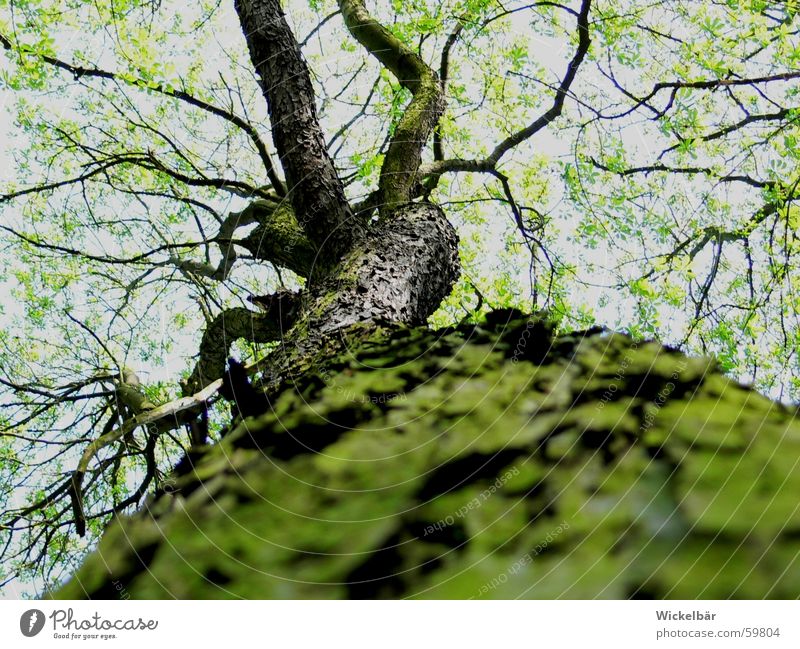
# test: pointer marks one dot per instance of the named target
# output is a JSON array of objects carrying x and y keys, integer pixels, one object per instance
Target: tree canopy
[{"x": 629, "y": 164}]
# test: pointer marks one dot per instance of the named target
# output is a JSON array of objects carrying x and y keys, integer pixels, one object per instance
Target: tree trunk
[{"x": 497, "y": 461}]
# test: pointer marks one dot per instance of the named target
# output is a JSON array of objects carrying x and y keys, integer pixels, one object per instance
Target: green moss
[
  {"x": 452, "y": 464},
  {"x": 279, "y": 236}
]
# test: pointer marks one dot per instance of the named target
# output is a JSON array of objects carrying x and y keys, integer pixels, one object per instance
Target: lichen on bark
[
  {"x": 399, "y": 173},
  {"x": 495, "y": 460},
  {"x": 278, "y": 237}
]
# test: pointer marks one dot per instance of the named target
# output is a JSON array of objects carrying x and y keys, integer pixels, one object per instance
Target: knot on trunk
[{"x": 401, "y": 272}]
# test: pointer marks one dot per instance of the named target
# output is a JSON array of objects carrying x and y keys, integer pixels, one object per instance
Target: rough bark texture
[
  {"x": 397, "y": 271},
  {"x": 404, "y": 155},
  {"x": 495, "y": 461},
  {"x": 278, "y": 237},
  {"x": 401, "y": 272},
  {"x": 236, "y": 323},
  {"x": 316, "y": 192}
]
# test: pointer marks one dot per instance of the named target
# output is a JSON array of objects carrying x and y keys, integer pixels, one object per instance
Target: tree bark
[
  {"x": 490, "y": 461},
  {"x": 396, "y": 271},
  {"x": 316, "y": 191},
  {"x": 399, "y": 173}
]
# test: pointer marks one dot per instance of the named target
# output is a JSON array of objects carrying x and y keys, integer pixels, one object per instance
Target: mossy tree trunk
[{"x": 497, "y": 460}]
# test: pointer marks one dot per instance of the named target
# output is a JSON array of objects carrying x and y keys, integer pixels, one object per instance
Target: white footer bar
[{"x": 400, "y": 624}]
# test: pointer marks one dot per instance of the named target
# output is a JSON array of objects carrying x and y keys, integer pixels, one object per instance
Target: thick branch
[
  {"x": 166, "y": 414},
  {"x": 404, "y": 156},
  {"x": 223, "y": 239},
  {"x": 316, "y": 192},
  {"x": 233, "y": 324},
  {"x": 279, "y": 237}
]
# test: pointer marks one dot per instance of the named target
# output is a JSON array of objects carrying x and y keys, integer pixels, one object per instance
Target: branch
[
  {"x": 489, "y": 164},
  {"x": 403, "y": 158},
  {"x": 318, "y": 27},
  {"x": 781, "y": 114},
  {"x": 224, "y": 240},
  {"x": 45, "y": 187},
  {"x": 279, "y": 238},
  {"x": 706, "y": 84},
  {"x": 444, "y": 72},
  {"x": 233, "y": 324},
  {"x": 716, "y": 233},
  {"x": 538, "y": 124},
  {"x": 145, "y": 161},
  {"x": 662, "y": 168},
  {"x": 137, "y": 259},
  {"x": 79, "y": 72},
  {"x": 316, "y": 192},
  {"x": 147, "y": 418}
]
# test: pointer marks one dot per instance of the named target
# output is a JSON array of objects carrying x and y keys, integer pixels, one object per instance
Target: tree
[{"x": 348, "y": 248}]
